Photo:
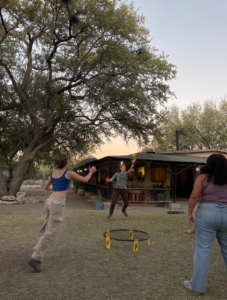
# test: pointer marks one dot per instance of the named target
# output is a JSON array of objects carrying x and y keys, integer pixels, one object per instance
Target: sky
[{"x": 194, "y": 35}]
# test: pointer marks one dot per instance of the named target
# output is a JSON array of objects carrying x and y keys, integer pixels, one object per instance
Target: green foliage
[
  {"x": 44, "y": 170},
  {"x": 200, "y": 127},
  {"x": 160, "y": 194},
  {"x": 73, "y": 73},
  {"x": 81, "y": 185}
]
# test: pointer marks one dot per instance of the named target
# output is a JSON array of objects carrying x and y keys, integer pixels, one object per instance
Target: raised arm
[
  {"x": 132, "y": 165},
  {"x": 84, "y": 179}
]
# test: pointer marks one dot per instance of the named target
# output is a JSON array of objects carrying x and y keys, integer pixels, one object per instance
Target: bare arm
[
  {"x": 84, "y": 179},
  {"x": 47, "y": 185},
  {"x": 109, "y": 180},
  {"x": 112, "y": 179},
  {"x": 132, "y": 165},
  {"x": 197, "y": 189}
]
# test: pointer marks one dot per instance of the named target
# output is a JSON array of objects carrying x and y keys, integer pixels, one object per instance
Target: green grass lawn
[{"x": 78, "y": 265}]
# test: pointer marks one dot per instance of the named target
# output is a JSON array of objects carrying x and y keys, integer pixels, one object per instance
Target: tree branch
[
  {"x": 30, "y": 170},
  {"x": 3, "y": 22},
  {"x": 10, "y": 76},
  {"x": 29, "y": 63}
]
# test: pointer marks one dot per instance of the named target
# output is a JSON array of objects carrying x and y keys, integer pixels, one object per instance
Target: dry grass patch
[{"x": 78, "y": 266}]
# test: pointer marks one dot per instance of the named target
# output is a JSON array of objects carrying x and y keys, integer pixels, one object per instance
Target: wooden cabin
[{"x": 174, "y": 173}]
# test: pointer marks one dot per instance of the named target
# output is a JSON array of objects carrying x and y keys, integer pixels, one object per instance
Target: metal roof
[
  {"x": 84, "y": 162},
  {"x": 151, "y": 156},
  {"x": 192, "y": 151}
]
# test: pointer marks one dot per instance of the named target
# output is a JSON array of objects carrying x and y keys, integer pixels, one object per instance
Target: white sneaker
[{"x": 188, "y": 287}]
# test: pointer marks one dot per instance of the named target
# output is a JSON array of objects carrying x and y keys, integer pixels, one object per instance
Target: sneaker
[
  {"x": 108, "y": 217},
  {"x": 188, "y": 287},
  {"x": 125, "y": 214},
  {"x": 35, "y": 264}
]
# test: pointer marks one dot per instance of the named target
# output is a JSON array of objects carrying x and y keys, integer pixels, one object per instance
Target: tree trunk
[
  {"x": 3, "y": 184},
  {"x": 18, "y": 174},
  {"x": 18, "y": 177},
  {"x": 14, "y": 186}
]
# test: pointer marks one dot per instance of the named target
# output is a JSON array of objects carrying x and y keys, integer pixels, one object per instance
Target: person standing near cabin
[
  {"x": 54, "y": 207},
  {"x": 210, "y": 219},
  {"x": 120, "y": 188}
]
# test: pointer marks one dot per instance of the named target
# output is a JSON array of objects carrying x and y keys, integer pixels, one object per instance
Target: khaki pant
[{"x": 54, "y": 212}]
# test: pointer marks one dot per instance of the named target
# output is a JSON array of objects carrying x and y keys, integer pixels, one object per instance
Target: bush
[{"x": 159, "y": 195}]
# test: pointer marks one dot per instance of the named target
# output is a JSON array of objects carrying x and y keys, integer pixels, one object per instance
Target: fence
[{"x": 93, "y": 189}]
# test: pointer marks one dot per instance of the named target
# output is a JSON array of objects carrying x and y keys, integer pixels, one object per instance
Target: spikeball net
[{"x": 127, "y": 235}]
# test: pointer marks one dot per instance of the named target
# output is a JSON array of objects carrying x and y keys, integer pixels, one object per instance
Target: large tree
[
  {"x": 73, "y": 73},
  {"x": 200, "y": 126}
]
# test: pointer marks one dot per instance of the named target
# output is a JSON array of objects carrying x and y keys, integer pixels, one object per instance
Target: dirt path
[{"x": 73, "y": 203}]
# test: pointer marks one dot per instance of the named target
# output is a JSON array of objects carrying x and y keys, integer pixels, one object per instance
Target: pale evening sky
[{"x": 193, "y": 34}]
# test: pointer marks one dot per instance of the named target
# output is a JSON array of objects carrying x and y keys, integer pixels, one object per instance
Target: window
[
  {"x": 141, "y": 174},
  {"x": 131, "y": 175},
  {"x": 158, "y": 175}
]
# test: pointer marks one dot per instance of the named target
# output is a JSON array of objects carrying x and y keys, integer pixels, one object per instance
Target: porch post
[
  {"x": 173, "y": 183},
  {"x": 110, "y": 185}
]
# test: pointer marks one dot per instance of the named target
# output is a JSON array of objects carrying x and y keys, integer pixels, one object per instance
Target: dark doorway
[{"x": 184, "y": 183}]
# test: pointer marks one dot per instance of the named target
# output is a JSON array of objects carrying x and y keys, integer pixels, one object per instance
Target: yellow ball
[{"x": 133, "y": 155}]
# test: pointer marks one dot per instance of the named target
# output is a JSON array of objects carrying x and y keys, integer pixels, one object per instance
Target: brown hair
[
  {"x": 60, "y": 160},
  {"x": 119, "y": 169}
]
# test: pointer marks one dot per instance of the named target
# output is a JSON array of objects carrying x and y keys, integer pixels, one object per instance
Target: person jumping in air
[
  {"x": 120, "y": 188},
  {"x": 54, "y": 207}
]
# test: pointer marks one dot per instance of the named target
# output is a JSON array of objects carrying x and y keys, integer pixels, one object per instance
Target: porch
[{"x": 168, "y": 174}]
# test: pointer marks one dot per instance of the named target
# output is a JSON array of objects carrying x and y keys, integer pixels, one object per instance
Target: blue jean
[{"x": 210, "y": 223}]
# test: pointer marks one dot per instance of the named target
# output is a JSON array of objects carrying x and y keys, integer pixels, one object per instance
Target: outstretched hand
[
  {"x": 92, "y": 170},
  {"x": 107, "y": 179},
  {"x": 133, "y": 160}
]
